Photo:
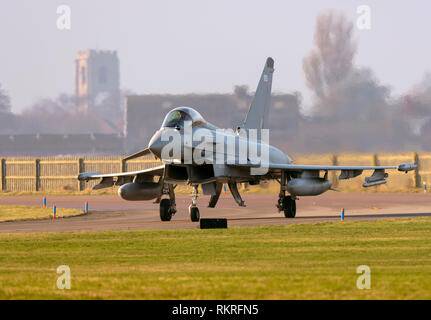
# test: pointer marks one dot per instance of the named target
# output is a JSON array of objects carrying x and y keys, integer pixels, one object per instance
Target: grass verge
[
  {"x": 307, "y": 261},
  {"x": 14, "y": 213}
]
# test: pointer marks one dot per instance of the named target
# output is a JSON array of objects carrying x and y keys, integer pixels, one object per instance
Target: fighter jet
[{"x": 219, "y": 157}]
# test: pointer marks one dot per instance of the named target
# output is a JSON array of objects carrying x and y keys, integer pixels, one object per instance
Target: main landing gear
[
  {"x": 286, "y": 203},
  {"x": 168, "y": 206},
  {"x": 288, "y": 206}
]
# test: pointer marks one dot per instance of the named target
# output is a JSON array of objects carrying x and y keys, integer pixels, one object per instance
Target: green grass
[
  {"x": 13, "y": 213},
  {"x": 306, "y": 261}
]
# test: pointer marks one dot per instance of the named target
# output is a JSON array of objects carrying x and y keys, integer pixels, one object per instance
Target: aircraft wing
[
  {"x": 347, "y": 172},
  {"x": 300, "y": 168},
  {"x": 111, "y": 179}
]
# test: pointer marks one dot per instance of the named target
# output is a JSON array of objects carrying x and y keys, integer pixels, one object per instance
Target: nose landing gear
[
  {"x": 193, "y": 209},
  {"x": 194, "y": 214}
]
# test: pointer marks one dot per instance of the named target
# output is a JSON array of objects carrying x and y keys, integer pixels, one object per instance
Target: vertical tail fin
[{"x": 257, "y": 116}]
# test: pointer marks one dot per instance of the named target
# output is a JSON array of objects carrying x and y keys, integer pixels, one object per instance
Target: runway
[{"x": 113, "y": 213}]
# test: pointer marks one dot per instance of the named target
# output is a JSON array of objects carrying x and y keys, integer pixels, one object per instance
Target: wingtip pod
[
  {"x": 406, "y": 167},
  {"x": 87, "y": 175},
  {"x": 270, "y": 63}
]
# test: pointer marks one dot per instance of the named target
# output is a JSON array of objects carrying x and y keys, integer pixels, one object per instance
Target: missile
[{"x": 374, "y": 183}]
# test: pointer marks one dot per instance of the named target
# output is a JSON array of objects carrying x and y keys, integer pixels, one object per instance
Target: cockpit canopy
[{"x": 177, "y": 116}]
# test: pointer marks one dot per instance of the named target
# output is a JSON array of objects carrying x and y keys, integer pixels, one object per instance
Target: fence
[{"x": 54, "y": 173}]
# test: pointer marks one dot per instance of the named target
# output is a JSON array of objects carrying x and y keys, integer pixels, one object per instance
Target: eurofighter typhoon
[{"x": 197, "y": 153}]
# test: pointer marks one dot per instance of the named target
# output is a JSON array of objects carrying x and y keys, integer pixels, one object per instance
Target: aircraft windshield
[{"x": 176, "y": 118}]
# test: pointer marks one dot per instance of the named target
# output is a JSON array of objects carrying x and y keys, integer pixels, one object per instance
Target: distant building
[
  {"x": 60, "y": 144},
  {"x": 145, "y": 113},
  {"x": 97, "y": 77},
  {"x": 97, "y": 89}
]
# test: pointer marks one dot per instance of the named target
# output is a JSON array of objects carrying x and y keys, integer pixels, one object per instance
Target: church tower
[{"x": 97, "y": 77}]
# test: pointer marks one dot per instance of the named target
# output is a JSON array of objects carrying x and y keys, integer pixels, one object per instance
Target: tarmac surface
[{"x": 112, "y": 213}]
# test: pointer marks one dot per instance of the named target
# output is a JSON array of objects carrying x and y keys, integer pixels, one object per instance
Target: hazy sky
[{"x": 200, "y": 46}]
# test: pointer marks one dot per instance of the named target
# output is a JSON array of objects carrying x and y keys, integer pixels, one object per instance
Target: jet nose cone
[{"x": 156, "y": 144}]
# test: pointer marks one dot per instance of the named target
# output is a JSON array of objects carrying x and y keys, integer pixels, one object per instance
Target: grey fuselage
[{"x": 225, "y": 146}]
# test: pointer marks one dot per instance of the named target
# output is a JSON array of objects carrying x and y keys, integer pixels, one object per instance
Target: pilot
[{"x": 175, "y": 119}]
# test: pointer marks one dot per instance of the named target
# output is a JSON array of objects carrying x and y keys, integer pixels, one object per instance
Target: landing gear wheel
[
  {"x": 289, "y": 207},
  {"x": 165, "y": 210},
  {"x": 194, "y": 214}
]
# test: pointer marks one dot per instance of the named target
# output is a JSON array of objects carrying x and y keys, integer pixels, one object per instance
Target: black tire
[
  {"x": 194, "y": 214},
  {"x": 165, "y": 212},
  {"x": 289, "y": 207}
]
